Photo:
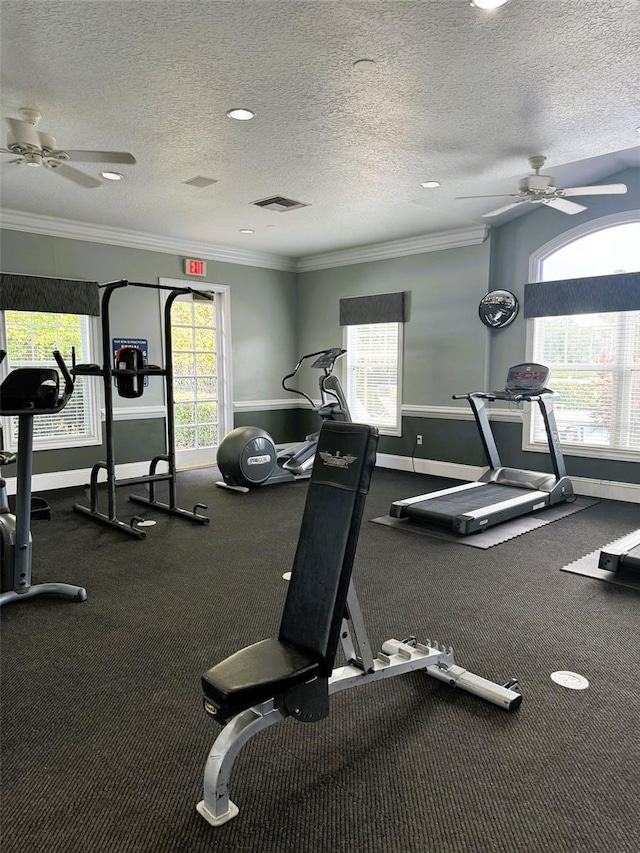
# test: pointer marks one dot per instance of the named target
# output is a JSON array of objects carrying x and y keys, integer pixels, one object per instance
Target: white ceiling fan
[
  {"x": 542, "y": 189},
  {"x": 36, "y": 148}
]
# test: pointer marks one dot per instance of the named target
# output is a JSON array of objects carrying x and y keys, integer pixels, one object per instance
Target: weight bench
[{"x": 293, "y": 675}]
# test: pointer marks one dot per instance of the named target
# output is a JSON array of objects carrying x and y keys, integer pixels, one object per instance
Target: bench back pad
[{"x": 317, "y": 593}]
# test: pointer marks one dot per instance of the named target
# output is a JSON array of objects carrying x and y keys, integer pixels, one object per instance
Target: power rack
[{"x": 108, "y": 375}]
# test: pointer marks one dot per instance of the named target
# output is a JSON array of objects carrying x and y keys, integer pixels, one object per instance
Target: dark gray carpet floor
[{"x": 104, "y": 738}]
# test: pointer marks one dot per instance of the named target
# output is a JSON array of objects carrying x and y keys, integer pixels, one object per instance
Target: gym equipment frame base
[
  {"x": 65, "y": 590},
  {"x": 496, "y": 535},
  {"x": 395, "y": 658}
]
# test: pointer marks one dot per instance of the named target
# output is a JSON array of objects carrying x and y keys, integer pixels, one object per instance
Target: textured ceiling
[{"x": 455, "y": 94}]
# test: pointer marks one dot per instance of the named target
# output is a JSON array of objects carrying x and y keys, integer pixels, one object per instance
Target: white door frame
[{"x": 191, "y": 458}]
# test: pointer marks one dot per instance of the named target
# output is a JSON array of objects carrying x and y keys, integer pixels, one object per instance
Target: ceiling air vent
[
  {"x": 200, "y": 181},
  {"x": 279, "y": 203}
]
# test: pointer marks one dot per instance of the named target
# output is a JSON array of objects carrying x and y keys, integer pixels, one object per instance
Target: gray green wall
[
  {"x": 443, "y": 329},
  {"x": 447, "y": 349},
  {"x": 276, "y": 316},
  {"x": 263, "y": 325}
]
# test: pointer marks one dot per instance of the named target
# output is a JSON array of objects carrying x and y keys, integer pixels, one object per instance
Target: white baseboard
[
  {"x": 81, "y": 476},
  {"x": 608, "y": 489},
  {"x": 429, "y": 466}
]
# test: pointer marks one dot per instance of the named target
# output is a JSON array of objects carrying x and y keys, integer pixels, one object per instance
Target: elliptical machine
[
  {"x": 27, "y": 392},
  {"x": 248, "y": 457}
]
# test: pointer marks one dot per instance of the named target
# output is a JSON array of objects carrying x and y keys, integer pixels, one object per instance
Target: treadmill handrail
[
  {"x": 544, "y": 398},
  {"x": 507, "y": 396}
]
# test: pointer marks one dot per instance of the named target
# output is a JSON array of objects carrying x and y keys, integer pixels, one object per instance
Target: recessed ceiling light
[
  {"x": 112, "y": 176},
  {"x": 488, "y": 4},
  {"x": 247, "y": 231},
  {"x": 241, "y": 114},
  {"x": 637, "y": 129},
  {"x": 430, "y": 185},
  {"x": 364, "y": 64}
]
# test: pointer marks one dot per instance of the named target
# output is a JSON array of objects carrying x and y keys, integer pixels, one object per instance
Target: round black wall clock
[{"x": 498, "y": 308}]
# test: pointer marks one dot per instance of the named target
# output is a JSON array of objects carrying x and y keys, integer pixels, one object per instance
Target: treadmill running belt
[{"x": 467, "y": 500}]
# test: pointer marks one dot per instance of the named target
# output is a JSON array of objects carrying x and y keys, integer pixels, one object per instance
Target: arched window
[{"x": 594, "y": 358}]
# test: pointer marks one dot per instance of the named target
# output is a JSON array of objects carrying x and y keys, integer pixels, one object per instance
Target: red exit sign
[{"x": 195, "y": 267}]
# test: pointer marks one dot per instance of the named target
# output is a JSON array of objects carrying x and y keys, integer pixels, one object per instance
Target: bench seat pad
[{"x": 257, "y": 673}]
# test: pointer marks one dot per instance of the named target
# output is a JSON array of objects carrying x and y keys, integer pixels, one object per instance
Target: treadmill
[
  {"x": 501, "y": 493},
  {"x": 623, "y": 556}
]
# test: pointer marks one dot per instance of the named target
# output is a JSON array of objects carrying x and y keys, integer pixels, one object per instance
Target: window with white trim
[
  {"x": 29, "y": 337},
  {"x": 594, "y": 358},
  {"x": 374, "y": 373}
]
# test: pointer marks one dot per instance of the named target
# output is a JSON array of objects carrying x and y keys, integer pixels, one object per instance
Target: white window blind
[
  {"x": 594, "y": 358},
  {"x": 595, "y": 369},
  {"x": 373, "y": 365},
  {"x": 31, "y": 338}
]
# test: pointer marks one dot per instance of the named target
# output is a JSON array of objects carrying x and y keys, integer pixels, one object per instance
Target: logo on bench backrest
[{"x": 337, "y": 461}]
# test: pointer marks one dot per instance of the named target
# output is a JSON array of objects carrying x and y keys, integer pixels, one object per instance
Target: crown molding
[
  {"x": 34, "y": 223},
  {"x": 396, "y": 248}
]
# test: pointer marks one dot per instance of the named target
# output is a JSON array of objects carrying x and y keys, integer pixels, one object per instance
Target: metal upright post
[
  {"x": 479, "y": 410},
  {"x": 551, "y": 427},
  {"x": 168, "y": 366},
  {"x": 22, "y": 558},
  {"x": 107, "y": 374}
]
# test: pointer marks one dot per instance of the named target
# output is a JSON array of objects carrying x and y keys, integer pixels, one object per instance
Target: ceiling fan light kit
[{"x": 36, "y": 148}]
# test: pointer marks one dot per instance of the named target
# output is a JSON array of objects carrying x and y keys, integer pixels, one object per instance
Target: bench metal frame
[{"x": 395, "y": 658}]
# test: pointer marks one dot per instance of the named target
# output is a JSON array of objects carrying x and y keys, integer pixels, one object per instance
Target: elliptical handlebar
[
  {"x": 68, "y": 379},
  {"x": 331, "y": 355}
]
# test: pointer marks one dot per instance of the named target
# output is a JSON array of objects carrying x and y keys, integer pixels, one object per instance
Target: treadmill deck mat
[
  {"x": 494, "y": 535},
  {"x": 588, "y": 567}
]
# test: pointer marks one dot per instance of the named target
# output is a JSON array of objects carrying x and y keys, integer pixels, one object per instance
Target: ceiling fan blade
[
  {"x": 101, "y": 156},
  {"x": 11, "y": 162},
  {"x": 604, "y": 189},
  {"x": 563, "y": 205},
  {"x": 499, "y": 195},
  {"x": 74, "y": 175},
  {"x": 505, "y": 208}
]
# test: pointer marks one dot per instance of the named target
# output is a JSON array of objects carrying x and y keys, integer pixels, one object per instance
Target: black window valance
[
  {"x": 381, "y": 308},
  {"x": 595, "y": 295},
  {"x": 53, "y": 295}
]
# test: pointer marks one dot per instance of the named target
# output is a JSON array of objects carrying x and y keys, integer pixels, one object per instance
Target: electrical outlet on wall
[{"x": 418, "y": 439}]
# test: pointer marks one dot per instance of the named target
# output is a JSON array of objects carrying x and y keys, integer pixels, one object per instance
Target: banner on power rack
[{"x": 137, "y": 343}]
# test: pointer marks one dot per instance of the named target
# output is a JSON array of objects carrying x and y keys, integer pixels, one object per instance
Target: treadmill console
[{"x": 527, "y": 378}]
